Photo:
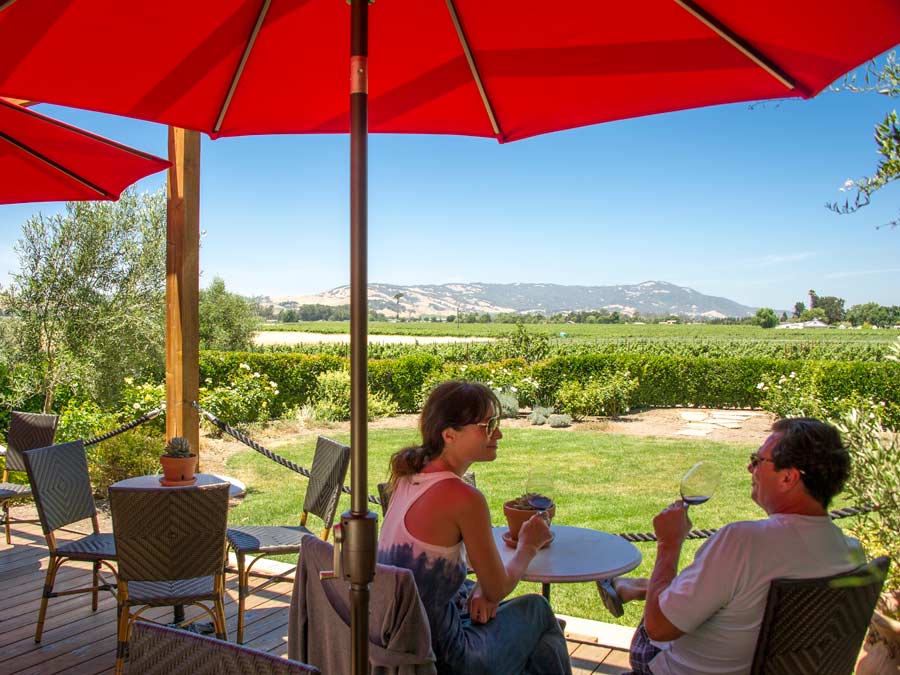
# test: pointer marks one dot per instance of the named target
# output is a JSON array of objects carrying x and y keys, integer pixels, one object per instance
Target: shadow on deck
[{"x": 78, "y": 641}]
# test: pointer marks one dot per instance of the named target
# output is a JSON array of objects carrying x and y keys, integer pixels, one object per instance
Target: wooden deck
[{"x": 78, "y": 641}]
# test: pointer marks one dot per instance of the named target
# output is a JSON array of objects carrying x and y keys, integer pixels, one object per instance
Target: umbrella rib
[
  {"x": 10, "y": 103},
  {"x": 49, "y": 162},
  {"x": 737, "y": 42},
  {"x": 263, "y": 10},
  {"x": 474, "y": 68}
]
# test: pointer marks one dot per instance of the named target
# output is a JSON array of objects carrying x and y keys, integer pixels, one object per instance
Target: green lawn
[{"x": 603, "y": 481}]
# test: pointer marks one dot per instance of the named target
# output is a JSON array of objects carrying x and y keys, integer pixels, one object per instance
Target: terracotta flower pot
[
  {"x": 178, "y": 470},
  {"x": 515, "y": 517},
  {"x": 880, "y": 652}
]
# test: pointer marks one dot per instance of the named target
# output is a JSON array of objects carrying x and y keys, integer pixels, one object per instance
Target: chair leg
[
  {"x": 6, "y": 520},
  {"x": 49, "y": 580},
  {"x": 96, "y": 591},
  {"x": 122, "y": 632},
  {"x": 219, "y": 612},
  {"x": 243, "y": 587}
]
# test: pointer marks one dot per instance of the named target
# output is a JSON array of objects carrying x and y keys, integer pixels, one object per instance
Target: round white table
[
  {"x": 576, "y": 554},
  {"x": 237, "y": 489}
]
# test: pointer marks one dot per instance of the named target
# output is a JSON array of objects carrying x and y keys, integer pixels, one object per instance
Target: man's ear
[{"x": 790, "y": 477}]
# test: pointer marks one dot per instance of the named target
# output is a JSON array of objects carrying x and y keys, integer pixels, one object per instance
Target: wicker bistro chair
[
  {"x": 817, "y": 625},
  {"x": 171, "y": 545},
  {"x": 62, "y": 493},
  {"x": 329, "y": 468},
  {"x": 157, "y": 650},
  {"x": 26, "y": 431}
]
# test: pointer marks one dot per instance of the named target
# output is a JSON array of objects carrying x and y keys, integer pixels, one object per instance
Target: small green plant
[
  {"x": 609, "y": 396},
  {"x": 178, "y": 447},
  {"x": 509, "y": 403},
  {"x": 539, "y": 415},
  {"x": 332, "y": 402},
  {"x": 559, "y": 421}
]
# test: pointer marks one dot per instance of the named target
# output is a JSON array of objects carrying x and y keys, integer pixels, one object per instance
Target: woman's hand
[
  {"x": 535, "y": 532},
  {"x": 481, "y": 610}
]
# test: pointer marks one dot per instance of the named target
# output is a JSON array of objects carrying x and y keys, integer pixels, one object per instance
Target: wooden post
[{"x": 183, "y": 287}]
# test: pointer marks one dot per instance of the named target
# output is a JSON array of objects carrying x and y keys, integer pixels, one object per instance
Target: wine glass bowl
[
  {"x": 699, "y": 483},
  {"x": 540, "y": 491}
]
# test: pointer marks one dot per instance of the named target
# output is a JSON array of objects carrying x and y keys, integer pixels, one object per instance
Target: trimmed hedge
[
  {"x": 295, "y": 374},
  {"x": 663, "y": 380}
]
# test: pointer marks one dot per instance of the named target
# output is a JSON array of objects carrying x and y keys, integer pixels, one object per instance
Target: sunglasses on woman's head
[{"x": 490, "y": 426}]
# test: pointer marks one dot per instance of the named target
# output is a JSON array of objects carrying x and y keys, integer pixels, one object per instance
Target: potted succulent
[
  {"x": 178, "y": 462},
  {"x": 520, "y": 509}
]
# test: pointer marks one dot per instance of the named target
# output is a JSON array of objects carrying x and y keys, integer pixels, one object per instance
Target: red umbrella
[
  {"x": 469, "y": 67},
  {"x": 44, "y": 160},
  {"x": 235, "y": 67}
]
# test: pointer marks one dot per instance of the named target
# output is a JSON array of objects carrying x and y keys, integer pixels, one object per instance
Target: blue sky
[{"x": 727, "y": 200}]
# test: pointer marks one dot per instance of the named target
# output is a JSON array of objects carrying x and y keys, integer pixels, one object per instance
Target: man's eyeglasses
[
  {"x": 756, "y": 460},
  {"x": 490, "y": 426}
]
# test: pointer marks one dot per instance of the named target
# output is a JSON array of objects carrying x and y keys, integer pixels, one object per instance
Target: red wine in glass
[{"x": 699, "y": 483}]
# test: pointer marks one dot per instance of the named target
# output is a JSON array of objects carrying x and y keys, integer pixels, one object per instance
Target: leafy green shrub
[
  {"x": 609, "y": 396},
  {"x": 875, "y": 479},
  {"x": 509, "y": 404},
  {"x": 791, "y": 395},
  {"x": 557, "y": 421},
  {"x": 248, "y": 398},
  {"x": 402, "y": 379},
  {"x": 512, "y": 375},
  {"x": 139, "y": 399},
  {"x": 133, "y": 453},
  {"x": 83, "y": 419},
  {"x": 333, "y": 399},
  {"x": 294, "y": 374}
]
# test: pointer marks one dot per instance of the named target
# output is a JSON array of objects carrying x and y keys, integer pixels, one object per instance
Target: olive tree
[{"x": 86, "y": 307}]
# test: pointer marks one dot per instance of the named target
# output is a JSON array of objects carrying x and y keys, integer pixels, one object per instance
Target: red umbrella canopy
[
  {"x": 470, "y": 67},
  {"x": 43, "y": 160}
]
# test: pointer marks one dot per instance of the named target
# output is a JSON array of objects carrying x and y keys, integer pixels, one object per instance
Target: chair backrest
[
  {"x": 61, "y": 484},
  {"x": 158, "y": 650},
  {"x": 326, "y": 478},
  {"x": 166, "y": 534},
  {"x": 27, "y": 431},
  {"x": 818, "y": 625}
]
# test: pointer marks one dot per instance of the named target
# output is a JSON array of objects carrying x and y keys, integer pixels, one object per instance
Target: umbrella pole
[{"x": 358, "y": 525}]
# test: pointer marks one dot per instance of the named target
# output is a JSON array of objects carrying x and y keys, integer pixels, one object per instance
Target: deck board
[{"x": 77, "y": 641}]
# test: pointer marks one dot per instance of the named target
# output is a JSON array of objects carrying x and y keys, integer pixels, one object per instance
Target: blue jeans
[{"x": 524, "y": 637}]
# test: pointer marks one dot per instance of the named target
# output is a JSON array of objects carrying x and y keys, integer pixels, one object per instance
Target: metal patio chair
[
  {"x": 171, "y": 546},
  {"x": 158, "y": 650},
  {"x": 818, "y": 625},
  {"x": 329, "y": 468},
  {"x": 26, "y": 431},
  {"x": 62, "y": 493}
]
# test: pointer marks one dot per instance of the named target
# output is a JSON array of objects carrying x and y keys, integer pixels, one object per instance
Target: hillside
[{"x": 649, "y": 297}]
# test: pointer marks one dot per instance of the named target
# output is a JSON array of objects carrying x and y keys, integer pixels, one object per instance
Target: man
[{"x": 706, "y": 619}]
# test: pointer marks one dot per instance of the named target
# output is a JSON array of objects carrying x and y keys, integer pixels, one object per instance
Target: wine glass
[
  {"x": 699, "y": 483},
  {"x": 540, "y": 489}
]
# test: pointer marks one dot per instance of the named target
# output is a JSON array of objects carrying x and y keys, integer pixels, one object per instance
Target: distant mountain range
[{"x": 649, "y": 297}]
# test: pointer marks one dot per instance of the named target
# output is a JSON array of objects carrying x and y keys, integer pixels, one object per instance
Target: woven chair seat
[
  {"x": 180, "y": 592},
  {"x": 92, "y": 547},
  {"x": 269, "y": 539},
  {"x": 14, "y": 491}
]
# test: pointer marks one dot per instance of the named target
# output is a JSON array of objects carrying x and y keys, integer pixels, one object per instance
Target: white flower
[
  {"x": 244, "y": 366},
  {"x": 513, "y": 389},
  {"x": 208, "y": 380},
  {"x": 793, "y": 375},
  {"x": 272, "y": 384},
  {"x": 136, "y": 406},
  {"x": 275, "y": 392},
  {"x": 255, "y": 374},
  {"x": 129, "y": 380}
]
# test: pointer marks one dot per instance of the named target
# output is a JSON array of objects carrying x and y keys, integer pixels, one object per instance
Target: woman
[{"x": 433, "y": 513}]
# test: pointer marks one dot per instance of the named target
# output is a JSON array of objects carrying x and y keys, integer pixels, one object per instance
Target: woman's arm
[{"x": 495, "y": 580}]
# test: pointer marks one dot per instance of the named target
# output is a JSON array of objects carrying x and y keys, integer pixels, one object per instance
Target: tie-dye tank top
[{"x": 440, "y": 571}]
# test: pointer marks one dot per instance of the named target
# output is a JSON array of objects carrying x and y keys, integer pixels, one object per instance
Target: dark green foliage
[
  {"x": 295, "y": 374},
  {"x": 227, "y": 320},
  {"x": 402, "y": 379}
]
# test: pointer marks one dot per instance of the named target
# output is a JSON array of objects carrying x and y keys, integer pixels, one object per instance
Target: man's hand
[
  {"x": 672, "y": 524},
  {"x": 481, "y": 610}
]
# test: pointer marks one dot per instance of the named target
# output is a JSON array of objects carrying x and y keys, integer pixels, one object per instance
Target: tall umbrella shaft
[{"x": 359, "y": 523}]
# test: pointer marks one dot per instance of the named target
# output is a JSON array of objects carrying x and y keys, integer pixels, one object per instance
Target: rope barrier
[
  {"x": 125, "y": 427},
  {"x": 642, "y": 537},
  {"x": 634, "y": 537},
  {"x": 265, "y": 452}
]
